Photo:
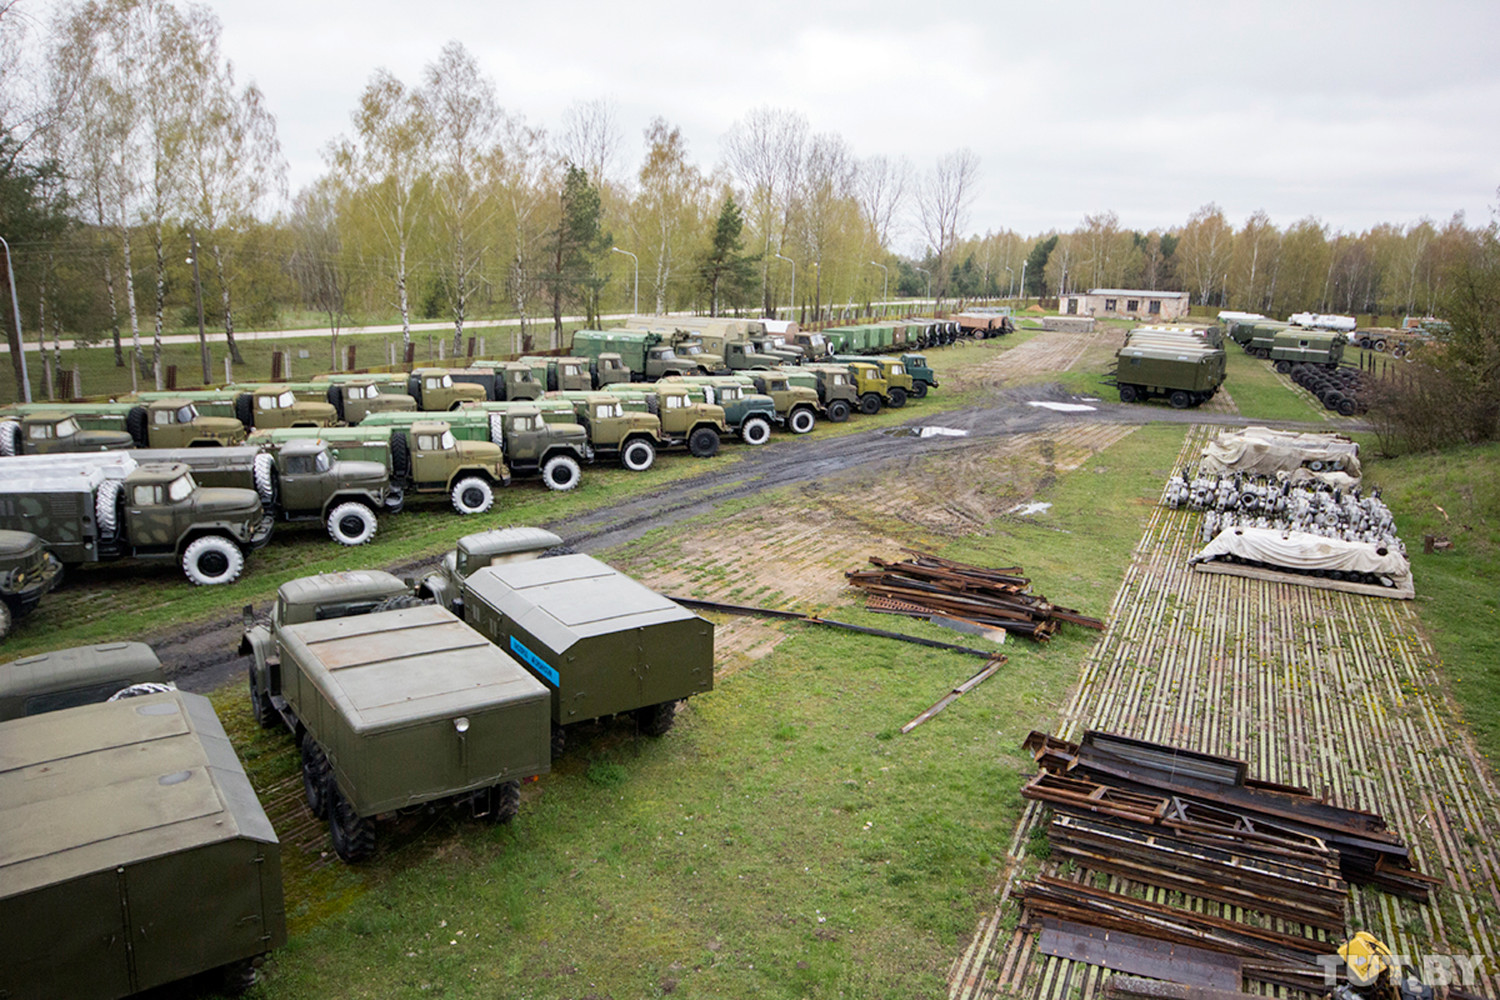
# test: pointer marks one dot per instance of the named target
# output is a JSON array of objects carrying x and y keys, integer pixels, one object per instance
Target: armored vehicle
[
  {"x": 560, "y": 373},
  {"x": 684, "y": 420},
  {"x": 502, "y": 380},
  {"x": 136, "y": 852},
  {"x": 445, "y": 586},
  {"x": 354, "y": 399},
  {"x": 603, "y": 643},
  {"x": 531, "y": 445},
  {"x": 646, "y": 354},
  {"x": 1186, "y": 374},
  {"x": 298, "y": 480},
  {"x": 747, "y": 412},
  {"x": 837, "y": 397},
  {"x": 796, "y": 404},
  {"x": 89, "y": 514},
  {"x": 630, "y": 436},
  {"x": 1296, "y": 345},
  {"x": 435, "y": 390},
  {"x": 83, "y": 675},
  {"x": 44, "y": 432},
  {"x": 395, "y": 705},
  {"x": 27, "y": 571}
]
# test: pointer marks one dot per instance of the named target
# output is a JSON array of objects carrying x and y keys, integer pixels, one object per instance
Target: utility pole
[
  {"x": 18, "y": 346},
  {"x": 198, "y": 291}
]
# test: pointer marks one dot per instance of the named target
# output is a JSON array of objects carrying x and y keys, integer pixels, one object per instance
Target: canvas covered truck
[
  {"x": 82, "y": 675},
  {"x": 836, "y": 395},
  {"x": 445, "y": 585},
  {"x": 99, "y": 512},
  {"x": 136, "y": 852},
  {"x": 435, "y": 390},
  {"x": 298, "y": 480},
  {"x": 1185, "y": 374},
  {"x": 27, "y": 572},
  {"x": 44, "y": 432},
  {"x": 629, "y": 435},
  {"x": 647, "y": 354},
  {"x": 747, "y": 412},
  {"x": 685, "y": 421},
  {"x": 531, "y": 445},
  {"x": 396, "y": 705},
  {"x": 603, "y": 643}
]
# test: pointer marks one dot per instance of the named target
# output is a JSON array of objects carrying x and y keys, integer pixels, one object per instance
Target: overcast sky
[{"x": 1355, "y": 112}]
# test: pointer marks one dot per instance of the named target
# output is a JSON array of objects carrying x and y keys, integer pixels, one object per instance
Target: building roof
[{"x": 1140, "y": 293}]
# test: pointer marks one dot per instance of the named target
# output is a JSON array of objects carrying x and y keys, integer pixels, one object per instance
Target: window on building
[
  {"x": 1131, "y": 305},
  {"x": 1072, "y": 307},
  {"x": 1154, "y": 308},
  {"x": 1109, "y": 305}
]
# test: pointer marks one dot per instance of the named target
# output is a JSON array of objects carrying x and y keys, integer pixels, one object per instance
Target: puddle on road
[
  {"x": 927, "y": 432},
  {"x": 1027, "y": 509},
  {"x": 1062, "y": 407}
]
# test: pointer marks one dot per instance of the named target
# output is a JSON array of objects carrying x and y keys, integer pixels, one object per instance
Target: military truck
[
  {"x": 873, "y": 389},
  {"x": 435, "y": 390},
  {"x": 796, "y": 404},
  {"x": 923, "y": 378},
  {"x": 445, "y": 585},
  {"x": 298, "y": 480},
  {"x": 501, "y": 380},
  {"x": 630, "y": 436},
  {"x": 45, "y": 432},
  {"x": 162, "y": 423},
  {"x": 395, "y": 705},
  {"x": 136, "y": 852},
  {"x": 27, "y": 572},
  {"x": 899, "y": 385},
  {"x": 1186, "y": 375},
  {"x": 737, "y": 355},
  {"x": 82, "y": 675},
  {"x": 357, "y": 398},
  {"x": 560, "y": 373},
  {"x": 836, "y": 395},
  {"x": 271, "y": 405},
  {"x": 814, "y": 345},
  {"x": 1298, "y": 345},
  {"x": 124, "y": 510},
  {"x": 645, "y": 353},
  {"x": 603, "y": 643},
  {"x": 747, "y": 412},
  {"x": 531, "y": 445},
  {"x": 777, "y": 346},
  {"x": 1256, "y": 337},
  {"x": 684, "y": 420}
]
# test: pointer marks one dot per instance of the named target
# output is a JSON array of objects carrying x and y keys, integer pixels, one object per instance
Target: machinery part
[
  {"x": 315, "y": 776},
  {"x": 5, "y": 619},
  {"x": 755, "y": 430},
  {"x": 1283, "y": 366},
  {"x": 838, "y": 410},
  {"x": 473, "y": 495},
  {"x": 638, "y": 455},
  {"x": 561, "y": 473},
  {"x": 211, "y": 560},
  {"x": 236, "y": 978},
  {"x": 497, "y": 429},
  {"x": 351, "y": 523},
  {"x": 656, "y": 720},
  {"x": 501, "y": 802},
  {"x": 869, "y": 404},
  {"x": 559, "y": 741},
  {"x": 353, "y": 835},
  {"x": 703, "y": 442},
  {"x": 400, "y": 457}
]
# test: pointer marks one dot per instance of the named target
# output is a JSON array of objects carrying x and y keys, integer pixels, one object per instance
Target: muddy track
[{"x": 201, "y": 656}]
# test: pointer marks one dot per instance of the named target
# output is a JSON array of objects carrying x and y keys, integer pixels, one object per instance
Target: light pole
[
  {"x": 15, "y": 304},
  {"x": 793, "y": 308},
  {"x": 929, "y": 279},
  {"x": 1011, "y": 287},
  {"x": 885, "y": 289},
  {"x": 635, "y": 289},
  {"x": 1023, "y": 279},
  {"x": 198, "y": 292}
]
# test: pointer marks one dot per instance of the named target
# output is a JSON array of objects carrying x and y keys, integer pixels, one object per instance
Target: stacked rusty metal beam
[
  {"x": 1135, "y": 988},
  {"x": 928, "y": 585}
]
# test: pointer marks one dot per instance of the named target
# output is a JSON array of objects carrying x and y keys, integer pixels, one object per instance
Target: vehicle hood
[{"x": 226, "y": 502}]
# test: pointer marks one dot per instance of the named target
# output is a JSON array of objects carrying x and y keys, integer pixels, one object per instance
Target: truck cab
[
  {"x": 796, "y": 405},
  {"x": 45, "y": 432},
  {"x": 748, "y": 413},
  {"x": 552, "y": 449},
  {"x": 872, "y": 388},
  {"x": 776, "y": 347},
  {"x": 632, "y": 436},
  {"x": 176, "y": 423},
  {"x": 81, "y": 675},
  {"x": 684, "y": 420},
  {"x": 607, "y": 369},
  {"x": 560, "y": 373},
  {"x": 835, "y": 389},
  {"x": 27, "y": 571},
  {"x": 499, "y": 547},
  {"x": 278, "y": 406},
  {"x": 356, "y": 400},
  {"x": 467, "y": 470},
  {"x": 922, "y": 375},
  {"x": 814, "y": 345},
  {"x": 164, "y": 513},
  {"x": 436, "y": 391}
]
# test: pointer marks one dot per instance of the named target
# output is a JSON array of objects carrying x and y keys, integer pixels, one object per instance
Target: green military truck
[
  {"x": 1257, "y": 338},
  {"x": 735, "y": 354},
  {"x": 685, "y": 421},
  {"x": 501, "y": 380},
  {"x": 796, "y": 404},
  {"x": 776, "y": 345},
  {"x": 923, "y": 378},
  {"x": 560, "y": 373},
  {"x": 603, "y": 643},
  {"x": 871, "y": 387},
  {"x": 353, "y": 399},
  {"x": 45, "y": 432},
  {"x": 136, "y": 852},
  {"x": 899, "y": 384},
  {"x": 814, "y": 345},
  {"x": 27, "y": 572},
  {"x": 630, "y": 436},
  {"x": 1186, "y": 374},
  {"x": 436, "y": 391},
  {"x": 645, "y": 353},
  {"x": 531, "y": 445},
  {"x": 93, "y": 513},
  {"x": 747, "y": 412},
  {"x": 1297, "y": 345},
  {"x": 272, "y": 405},
  {"x": 83, "y": 675},
  {"x": 836, "y": 395},
  {"x": 298, "y": 480},
  {"x": 396, "y": 705},
  {"x": 162, "y": 423},
  {"x": 445, "y": 585}
]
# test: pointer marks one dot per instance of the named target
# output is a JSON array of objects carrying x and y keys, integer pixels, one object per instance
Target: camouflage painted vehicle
[
  {"x": 67, "y": 678},
  {"x": 646, "y": 354},
  {"x": 1296, "y": 345},
  {"x": 748, "y": 413},
  {"x": 435, "y": 390},
  {"x": 685, "y": 422},
  {"x": 560, "y": 373},
  {"x": 298, "y": 480},
  {"x": 530, "y": 444},
  {"x": 796, "y": 403},
  {"x": 27, "y": 572},
  {"x": 1186, "y": 374},
  {"x": 630, "y": 436},
  {"x": 142, "y": 858},
  {"x": 445, "y": 585},
  {"x": 123, "y": 510},
  {"x": 603, "y": 643},
  {"x": 501, "y": 380},
  {"x": 837, "y": 397},
  {"x": 45, "y": 432},
  {"x": 396, "y": 705},
  {"x": 899, "y": 384}
]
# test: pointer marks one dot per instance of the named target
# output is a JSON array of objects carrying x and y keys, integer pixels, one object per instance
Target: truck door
[
  {"x": 429, "y": 457},
  {"x": 149, "y": 517},
  {"x": 521, "y": 439},
  {"x": 304, "y": 481}
]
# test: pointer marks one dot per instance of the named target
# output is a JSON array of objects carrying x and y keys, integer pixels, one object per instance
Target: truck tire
[
  {"x": 869, "y": 404},
  {"x": 236, "y": 978},
  {"x": 1179, "y": 399},
  {"x": 106, "y": 508},
  {"x": 260, "y": 704},
  {"x": 638, "y": 455},
  {"x": 5, "y": 619},
  {"x": 561, "y": 473},
  {"x": 703, "y": 442},
  {"x": 353, "y": 835},
  {"x": 1380, "y": 345},
  {"x": 400, "y": 457},
  {"x": 1283, "y": 366},
  {"x": 919, "y": 390},
  {"x": 10, "y": 436},
  {"x": 839, "y": 410},
  {"x": 559, "y": 741},
  {"x": 897, "y": 398},
  {"x": 473, "y": 495},
  {"x": 135, "y": 424},
  {"x": 244, "y": 409},
  {"x": 801, "y": 420},
  {"x": 656, "y": 720},
  {"x": 351, "y": 523},
  {"x": 1128, "y": 394},
  {"x": 503, "y": 801},
  {"x": 336, "y": 400},
  {"x": 755, "y": 430},
  {"x": 1347, "y": 406},
  {"x": 264, "y": 474},
  {"x": 315, "y": 776},
  {"x": 399, "y": 602},
  {"x": 497, "y": 429},
  {"x": 212, "y": 560}
]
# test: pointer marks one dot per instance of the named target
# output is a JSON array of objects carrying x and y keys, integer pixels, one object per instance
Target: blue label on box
[{"x": 536, "y": 662}]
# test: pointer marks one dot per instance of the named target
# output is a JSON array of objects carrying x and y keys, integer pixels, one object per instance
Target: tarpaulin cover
[
  {"x": 1262, "y": 451},
  {"x": 1302, "y": 551}
]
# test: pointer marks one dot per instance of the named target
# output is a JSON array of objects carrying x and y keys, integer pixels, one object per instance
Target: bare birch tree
[
  {"x": 765, "y": 153},
  {"x": 882, "y": 185},
  {"x": 943, "y": 201},
  {"x": 591, "y": 138}
]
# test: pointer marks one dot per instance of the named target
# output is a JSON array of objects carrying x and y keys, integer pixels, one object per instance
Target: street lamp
[
  {"x": 929, "y": 278},
  {"x": 1023, "y": 279},
  {"x": 635, "y": 292},
  {"x": 1011, "y": 287},
  {"x": 793, "y": 308},
  {"x": 20, "y": 340},
  {"x": 885, "y": 289}
]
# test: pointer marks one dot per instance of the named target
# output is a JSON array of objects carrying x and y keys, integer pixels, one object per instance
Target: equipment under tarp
[
  {"x": 1361, "y": 564},
  {"x": 1264, "y": 452}
]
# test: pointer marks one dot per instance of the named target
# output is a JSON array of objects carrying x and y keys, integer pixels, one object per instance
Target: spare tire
[
  {"x": 10, "y": 436},
  {"x": 244, "y": 409},
  {"x": 400, "y": 457},
  {"x": 336, "y": 398},
  {"x": 135, "y": 423}
]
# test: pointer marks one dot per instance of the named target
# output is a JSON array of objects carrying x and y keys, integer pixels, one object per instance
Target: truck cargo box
[
  {"x": 603, "y": 643},
  {"x": 133, "y": 851},
  {"x": 67, "y": 678}
]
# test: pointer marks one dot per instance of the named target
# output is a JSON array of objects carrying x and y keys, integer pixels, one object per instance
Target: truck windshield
[
  {"x": 897, "y": 370},
  {"x": 67, "y": 427},
  {"x": 730, "y": 392},
  {"x": 186, "y": 414},
  {"x": 663, "y": 353},
  {"x": 571, "y": 370},
  {"x": 691, "y": 349},
  {"x": 816, "y": 340},
  {"x": 838, "y": 379},
  {"x": 285, "y": 400},
  {"x": 180, "y": 488}
]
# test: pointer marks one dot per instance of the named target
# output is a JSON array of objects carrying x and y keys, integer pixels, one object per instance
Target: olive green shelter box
[
  {"x": 603, "y": 643},
  {"x": 67, "y": 678},
  {"x": 133, "y": 851}
]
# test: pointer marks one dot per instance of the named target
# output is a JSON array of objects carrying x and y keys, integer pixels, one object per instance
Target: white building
[{"x": 1125, "y": 303}]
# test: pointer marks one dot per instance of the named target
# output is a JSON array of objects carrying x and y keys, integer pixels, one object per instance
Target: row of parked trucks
[{"x": 117, "y": 791}]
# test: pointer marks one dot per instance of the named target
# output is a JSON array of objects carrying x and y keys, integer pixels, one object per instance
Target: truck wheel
[
  {"x": 400, "y": 457},
  {"x": 264, "y": 474},
  {"x": 561, "y": 473},
  {"x": 1380, "y": 345},
  {"x": 260, "y": 705},
  {"x": 839, "y": 410},
  {"x": 802, "y": 420},
  {"x": 919, "y": 390},
  {"x": 244, "y": 409},
  {"x": 400, "y": 601},
  {"x": 106, "y": 508},
  {"x": 135, "y": 423},
  {"x": 1179, "y": 399},
  {"x": 897, "y": 398},
  {"x": 755, "y": 430},
  {"x": 638, "y": 455},
  {"x": 1128, "y": 394},
  {"x": 351, "y": 523},
  {"x": 1283, "y": 366},
  {"x": 10, "y": 435},
  {"x": 559, "y": 741},
  {"x": 703, "y": 442},
  {"x": 353, "y": 835},
  {"x": 1347, "y": 407},
  {"x": 5, "y": 619},
  {"x": 655, "y": 720},
  {"x": 212, "y": 559},
  {"x": 503, "y": 802},
  {"x": 473, "y": 495},
  {"x": 236, "y": 978},
  {"x": 316, "y": 776},
  {"x": 869, "y": 404}
]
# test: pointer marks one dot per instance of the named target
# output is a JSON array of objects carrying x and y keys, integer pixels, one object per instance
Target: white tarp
[
  {"x": 1302, "y": 551},
  {"x": 1264, "y": 452}
]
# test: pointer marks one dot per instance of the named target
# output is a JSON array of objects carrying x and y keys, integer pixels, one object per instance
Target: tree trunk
[
  {"x": 135, "y": 319},
  {"x": 402, "y": 303},
  {"x": 161, "y": 304},
  {"x": 224, "y": 301}
]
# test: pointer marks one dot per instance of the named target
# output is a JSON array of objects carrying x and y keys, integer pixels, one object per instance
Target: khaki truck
[
  {"x": 83, "y": 675},
  {"x": 1186, "y": 374},
  {"x": 837, "y": 397},
  {"x": 162, "y": 423},
  {"x": 273, "y": 405},
  {"x": 796, "y": 405},
  {"x": 872, "y": 388},
  {"x": 531, "y": 445},
  {"x": 685, "y": 422},
  {"x": 630, "y": 436},
  {"x": 923, "y": 378},
  {"x": 445, "y": 585},
  {"x": 356, "y": 398},
  {"x": 747, "y": 412},
  {"x": 298, "y": 480},
  {"x": 502, "y": 380},
  {"x": 560, "y": 372},
  {"x": 45, "y": 432},
  {"x": 814, "y": 345},
  {"x": 737, "y": 354},
  {"x": 87, "y": 514},
  {"x": 601, "y": 642},
  {"x": 136, "y": 853},
  {"x": 397, "y": 706},
  {"x": 435, "y": 390},
  {"x": 27, "y": 572},
  {"x": 1297, "y": 345},
  {"x": 645, "y": 353},
  {"x": 899, "y": 384}
]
